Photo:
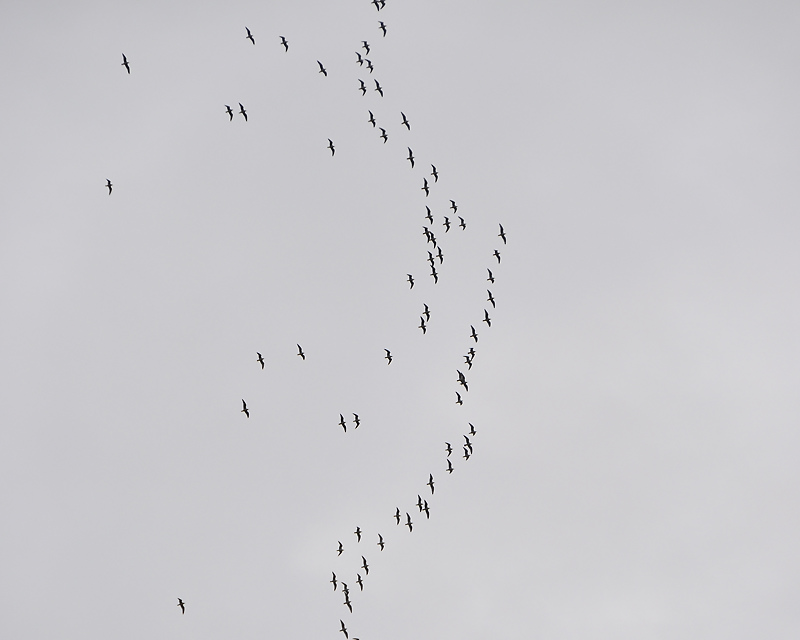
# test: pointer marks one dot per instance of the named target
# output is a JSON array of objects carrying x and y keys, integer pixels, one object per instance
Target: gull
[
  {"x": 345, "y": 589},
  {"x": 342, "y": 423},
  {"x": 347, "y": 602},
  {"x": 410, "y": 280},
  {"x": 435, "y": 173},
  {"x": 502, "y": 234},
  {"x": 359, "y": 581},
  {"x": 486, "y": 318},
  {"x": 109, "y": 185},
  {"x": 462, "y": 380},
  {"x": 382, "y": 27},
  {"x": 340, "y": 549},
  {"x": 362, "y": 88},
  {"x": 365, "y": 46},
  {"x": 388, "y": 356},
  {"x": 434, "y": 275},
  {"x": 468, "y": 443},
  {"x": 496, "y": 254},
  {"x": 427, "y": 511},
  {"x": 383, "y": 135},
  {"x": 430, "y": 483},
  {"x": 229, "y": 111},
  {"x": 365, "y": 566},
  {"x": 472, "y": 431},
  {"x": 405, "y": 122},
  {"x": 182, "y": 605},
  {"x": 344, "y": 630},
  {"x": 331, "y": 147},
  {"x": 409, "y": 524},
  {"x": 410, "y": 157},
  {"x": 446, "y": 224},
  {"x": 433, "y": 239},
  {"x": 397, "y": 515},
  {"x": 462, "y": 224},
  {"x": 300, "y": 352},
  {"x": 427, "y": 312},
  {"x": 459, "y": 401},
  {"x": 449, "y": 466},
  {"x": 491, "y": 299},
  {"x": 360, "y": 60},
  {"x": 466, "y": 454},
  {"x": 431, "y": 259},
  {"x": 491, "y": 277},
  {"x": 380, "y": 542},
  {"x": 244, "y": 409},
  {"x": 468, "y": 361},
  {"x": 473, "y": 335},
  {"x": 125, "y": 64},
  {"x": 440, "y": 255},
  {"x": 358, "y": 533},
  {"x": 454, "y": 206},
  {"x": 371, "y": 119},
  {"x": 422, "y": 325},
  {"x": 425, "y": 187},
  {"x": 333, "y": 581},
  {"x": 285, "y": 43},
  {"x": 427, "y": 233},
  {"x": 369, "y": 65},
  {"x": 448, "y": 448},
  {"x": 419, "y": 503},
  {"x": 242, "y": 111},
  {"x": 356, "y": 420},
  {"x": 260, "y": 359},
  {"x": 250, "y": 36},
  {"x": 322, "y": 69},
  {"x": 378, "y": 88},
  {"x": 428, "y": 215}
]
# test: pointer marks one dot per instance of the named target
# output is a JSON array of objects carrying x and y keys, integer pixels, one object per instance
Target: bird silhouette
[
  {"x": 397, "y": 515},
  {"x": 383, "y": 135},
  {"x": 440, "y": 255},
  {"x": 380, "y": 541},
  {"x": 333, "y": 581},
  {"x": 340, "y": 549},
  {"x": 359, "y": 59},
  {"x": 472, "y": 431},
  {"x": 125, "y": 64},
  {"x": 260, "y": 359},
  {"x": 378, "y": 88},
  {"x": 468, "y": 443},
  {"x": 466, "y": 454},
  {"x": 435, "y": 173},
  {"x": 410, "y": 280},
  {"x": 468, "y": 361},
  {"x": 250, "y": 36},
  {"x": 342, "y": 423},
  {"x": 359, "y": 581},
  {"x": 427, "y": 511},
  {"x": 449, "y": 466},
  {"x": 182, "y": 605},
  {"x": 486, "y": 318},
  {"x": 345, "y": 589},
  {"x": 344, "y": 629},
  {"x": 363, "y": 87},
  {"x": 369, "y": 65},
  {"x": 448, "y": 448},
  {"x": 365, "y": 46},
  {"x": 388, "y": 356},
  {"x": 502, "y": 234},
  {"x": 372, "y": 120},
  {"x": 462, "y": 224},
  {"x": 428, "y": 215},
  {"x": 496, "y": 254},
  {"x": 285, "y": 43},
  {"x": 410, "y": 157},
  {"x": 347, "y": 602},
  {"x": 462, "y": 380},
  {"x": 229, "y": 111},
  {"x": 382, "y": 26},
  {"x": 300, "y": 352},
  {"x": 242, "y": 111},
  {"x": 331, "y": 147},
  {"x": 358, "y": 533},
  {"x": 422, "y": 325},
  {"x": 427, "y": 312},
  {"x": 454, "y": 206},
  {"x": 364, "y": 565},
  {"x": 446, "y": 224},
  {"x": 419, "y": 503},
  {"x": 405, "y": 122},
  {"x": 425, "y": 187},
  {"x": 473, "y": 335},
  {"x": 430, "y": 483},
  {"x": 322, "y": 69},
  {"x": 491, "y": 299},
  {"x": 459, "y": 401},
  {"x": 356, "y": 420},
  {"x": 434, "y": 275},
  {"x": 244, "y": 409},
  {"x": 409, "y": 524},
  {"x": 109, "y": 185},
  {"x": 491, "y": 277}
]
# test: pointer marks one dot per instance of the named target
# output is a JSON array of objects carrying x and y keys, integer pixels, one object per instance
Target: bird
[
  {"x": 344, "y": 630},
  {"x": 427, "y": 511},
  {"x": 358, "y": 533},
  {"x": 466, "y": 454},
  {"x": 502, "y": 234},
  {"x": 356, "y": 420},
  {"x": 125, "y": 64},
  {"x": 448, "y": 448},
  {"x": 371, "y": 119},
  {"x": 363, "y": 87},
  {"x": 359, "y": 59},
  {"x": 250, "y": 36},
  {"x": 459, "y": 401},
  {"x": 260, "y": 359},
  {"x": 383, "y": 135},
  {"x": 440, "y": 255},
  {"x": 378, "y": 88},
  {"x": 425, "y": 187},
  {"x": 473, "y": 335},
  {"x": 229, "y": 111},
  {"x": 331, "y": 147},
  {"x": 405, "y": 122},
  {"x": 430, "y": 483},
  {"x": 359, "y": 581},
  {"x": 244, "y": 409},
  {"x": 365, "y": 46},
  {"x": 345, "y": 589},
  {"x": 182, "y": 605},
  {"x": 377, "y": 4},
  {"x": 496, "y": 254},
  {"x": 369, "y": 65},
  {"x": 333, "y": 581},
  {"x": 446, "y": 224},
  {"x": 242, "y": 111},
  {"x": 285, "y": 43},
  {"x": 340, "y": 549},
  {"x": 410, "y": 157},
  {"x": 428, "y": 215},
  {"x": 342, "y": 423},
  {"x": 364, "y": 565},
  {"x": 468, "y": 361},
  {"x": 427, "y": 312},
  {"x": 409, "y": 524},
  {"x": 435, "y": 173},
  {"x": 449, "y": 466},
  {"x": 322, "y": 69},
  {"x": 419, "y": 503},
  {"x": 380, "y": 542},
  {"x": 434, "y": 275},
  {"x": 462, "y": 224},
  {"x": 454, "y": 206},
  {"x": 491, "y": 277},
  {"x": 397, "y": 515},
  {"x": 427, "y": 234},
  {"x": 462, "y": 380},
  {"x": 410, "y": 280},
  {"x": 468, "y": 444},
  {"x": 431, "y": 259},
  {"x": 347, "y": 602},
  {"x": 388, "y": 356},
  {"x": 422, "y": 325},
  {"x": 382, "y": 26},
  {"x": 109, "y": 185},
  {"x": 471, "y": 352},
  {"x": 491, "y": 299},
  {"x": 486, "y": 318}
]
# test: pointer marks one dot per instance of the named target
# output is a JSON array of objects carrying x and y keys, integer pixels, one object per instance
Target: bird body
[
  {"x": 384, "y": 137},
  {"x": 260, "y": 359},
  {"x": 109, "y": 185},
  {"x": 486, "y": 318},
  {"x": 322, "y": 69},
  {"x": 502, "y": 234},
  {"x": 358, "y": 534},
  {"x": 410, "y": 157},
  {"x": 410, "y": 280},
  {"x": 388, "y": 356},
  {"x": 474, "y": 334},
  {"x": 372, "y": 121},
  {"x": 382, "y": 26},
  {"x": 182, "y": 605},
  {"x": 331, "y": 147},
  {"x": 242, "y": 111},
  {"x": 244, "y": 409},
  {"x": 425, "y": 187},
  {"x": 405, "y": 122},
  {"x": 250, "y": 36},
  {"x": 430, "y": 483},
  {"x": 125, "y": 64},
  {"x": 378, "y": 88},
  {"x": 229, "y": 111},
  {"x": 435, "y": 174},
  {"x": 300, "y": 352},
  {"x": 285, "y": 43}
]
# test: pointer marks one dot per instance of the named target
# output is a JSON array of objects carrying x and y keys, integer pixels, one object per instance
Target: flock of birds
[{"x": 422, "y": 504}]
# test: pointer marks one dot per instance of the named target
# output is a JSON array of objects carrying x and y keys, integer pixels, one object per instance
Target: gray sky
[{"x": 634, "y": 471}]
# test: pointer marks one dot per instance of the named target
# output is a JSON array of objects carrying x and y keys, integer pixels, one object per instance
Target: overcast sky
[{"x": 634, "y": 472}]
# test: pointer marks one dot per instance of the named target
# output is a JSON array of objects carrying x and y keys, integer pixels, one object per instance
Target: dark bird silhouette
[
  {"x": 435, "y": 173},
  {"x": 448, "y": 448},
  {"x": 462, "y": 224},
  {"x": 428, "y": 215},
  {"x": 427, "y": 233},
  {"x": 342, "y": 423},
  {"x": 486, "y": 318},
  {"x": 419, "y": 503},
  {"x": 462, "y": 380},
  {"x": 380, "y": 539},
  {"x": 365, "y": 46},
  {"x": 250, "y": 36},
  {"x": 331, "y": 147},
  {"x": 430, "y": 483},
  {"x": 405, "y": 122},
  {"x": 496, "y": 254},
  {"x": 359, "y": 59},
  {"x": 427, "y": 312},
  {"x": 440, "y": 255},
  {"x": 434, "y": 275},
  {"x": 431, "y": 259},
  {"x": 242, "y": 111},
  {"x": 377, "y": 4},
  {"x": 363, "y": 87},
  {"x": 446, "y": 224},
  {"x": 410, "y": 280},
  {"x": 449, "y": 466},
  {"x": 458, "y": 399},
  {"x": 372, "y": 120},
  {"x": 502, "y": 234},
  {"x": 388, "y": 356},
  {"x": 244, "y": 409},
  {"x": 369, "y": 65},
  {"x": 473, "y": 335},
  {"x": 333, "y": 581},
  {"x": 359, "y": 581},
  {"x": 229, "y": 111},
  {"x": 425, "y": 187},
  {"x": 340, "y": 549},
  {"x": 410, "y": 157},
  {"x": 356, "y": 420},
  {"x": 383, "y": 135},
  {"x": 378, "y": 88},
  {"x": 409, "y": 524},
  {"x": 109, "y": 185},
  {"x": 466, "y": 454},
  {"x": 397, "y": 515},
  {"x": 322, "y": 69},
  {"x": 491, "y": 277},
  {"x": 422, "y": 325},
  {"x": 468, "y": 444},
  {"x": 382, "y": 27},
  {"x": 347, "y": 602},
  {"x": 345, "y": 589},
  {"x": 454, "y": 206},
  {"x": 364, "y": 565},
  {"x": 285, "y": 43},
  {"x": 468, "y": 361},
  {"x": 344, "y": 630},
  {"x": 182, "y": 605},
  {"x": 260, "y": 359},
  {"x": 472, "y": 431},
  {"x": 491, "y": 299},
  {"x": 427, "y": 510},
  {"x": 358, "y": 533},
  {"x": 300, "y": 352},
  {"x": 471, "y": 352},
  {"x": 125, "y": 64}
]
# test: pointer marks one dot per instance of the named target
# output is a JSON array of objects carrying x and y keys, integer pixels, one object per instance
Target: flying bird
[
  {"x": 454, "y": 206},
  {"x": 383, "y": 135},
  {"x": 462, "y": 224},
  {"x": 347, "y": 602},
  {"x": 359, "y": 581},
  {"x": 466, "y": 454},
  {"x": 371, "y": 119},
  {"x": 388, "y": 356},
  {"x": 333, "y": 581},
  {"x": 359, "y": 59},
  {"x": 473, "y": 335},
  {"x": 300, "y": 352},
  {"x": 331, "y": 147},
  {"x": 244, "y": 409},
  {"x": 378, "y": 88},
  {"x": 364, "y": 565},
  {"x": 397, "y": 515},
  {"x": 369, "y": 65},
  {"x": 468, "y": 361},
  {"x": 380, "y": 541},
  {"x": 419, "y": 503},
  {"x": 409, "y": 524},
  {"x": 182, "y": 605},
  {"x": 365, "y": 46},
  {"x": 358, "y": 533},
  {"x": 491, "y": 299},
  {"x": 440, "y": 255},
  {"x": 382, "y": 27},
  {"x": 410, "y": 157},
  {"x": 430, "y": 483},
  {"x": 462, "y": 380},
  {"x": 431, "y": 259},
  {"x": 491, "y": 277},
  {"x": 468, "y": 443},
  {"x": 471, "y": 352},
  {"x": 427, "y": 511},
  {"x": 422, "y": 325},
  {"x": 242, "y": 111},
  {"x": 459, "y": 401},
  {"x": 486, "y": 318},
  {"x": 427, "y": 312},
  {"x": 410, "y": 280},
  {"x": 434, "y": 275},
  {"x": 425, "y": 187},
  {"x": 285, "y": 43},
  {"x": 356, "y": 420},
  {"x": 342, "y": 423},
  {"x": 250, "y": 36},
  {"x": 449, "y": 466},
  {"x": 496, "y": 254},
  {"x": 322, "y": 69},
  {"x": 229, "y": 111},
  {"x": 428, "y": 215},
  {"x": 340, "y": 549},
  {"x": 125, "y": 64},
  {"x": 345, "y": 589},
  {"x": 344, "y": 630},
  {"x": 362, "y": 88},
  {"x": 435, "y": 173},
  {"x": 260, "y": 359},
  {"x": 472, "y": 431},
  {"x": 109, "y": 185},
  {"x": 446, "y": 224},
  {"x": 502, "y": 234},
  {"x": 405, "y": 121},
  {"x": 448, "y": 448}
]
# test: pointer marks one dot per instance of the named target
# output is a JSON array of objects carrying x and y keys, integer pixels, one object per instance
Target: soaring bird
[
  {"x": 405, "y": 121},
  {"x": 382, "y": 26},
  {"x": 491, "y": 299},
  {"x": 182, "y": 605},
  {"x": 244, "y": 409},
  {"x": 431, "y": 259},
  {"x": 419, "y": 503},
  {"x": 229, "y": 111},
  {"x": 300, "y": 352},
  {"x": 472, "y": 431},
  {"x": 427, "y": 234},
  {"x": 459, "y": 401},
  {"x": 377, "y": 4},
  {"x": 242, "y": 111},
  {"x": 363, "y": 87},
  {"x": 378, "y": 88},
  {"x": 372, "y": 120},
  {"x": 454, "y": 206},
  {"x": 409, "y": 524},
  {"x": 428, "y": 215},
  {"x": 342, "y": 423},
  {"x": 344, "y": 630},
  {"x": 462, "y": 380},
  {"x": 410, "y": 157},
  {"x": 446, "y": 224},
  {"x": 473, "y": 335},
  {"x": 427, "y": 312},
  {"x": 364, "y": 565},
  {"x": 448, "y": 448},
  {"x": 380, "y": 542},
  {"x": 430, "y": 482},
  {"x": 365, "y": 46},
  {"x": 340, "y": 549},
  {"x": 425, "y": 187},
  {"x": 434, "y": 275},
  {"x": 467, "y": 454},
  {"x": 285, "y": 43},
  {"x": 462, "y": 224},
  {"x": 359, "y": 59},
  {"x": 109, "y": 185},
  {"x": 502, "y": 234},
  {"x": 322, "y": 69},
  {"x": 496, "y": 254},
  {"x": 250, "y": 36},
  {"x": 427, "y": 511},
  {"x": 331, "y": 147},
  {"x": 435, "y": 173},
  {"x": 333, "y": 581},
  {"x": 359, "y": 581},
  {"x": 383, "y": 135},
  {"x": 468, "y": 443},
  {"x": 471, "y": 352},
  {"x": 440, "y": 255},
  {"x": 348, "y": 604},
  {"x": 486, "y": 318},
  {"x": 449, "y": 466},
  {"x": 491, "y": 277},
  {"x": 410, "y": 280},
  {"x": 358, "y": 533},
  {"x": 260, "y": 359},
  {"x": 468, "y": 361},
  {"x": 388, "y": 356},
  {"x": 422, "y": 325},
  {"x": 345, "y": 589},
  {"x": 369, "y": 65},
  {"x": 356, "y": 420},
  {"x": 125, "y": 63},
  {"x": 397, "y": 515}
]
